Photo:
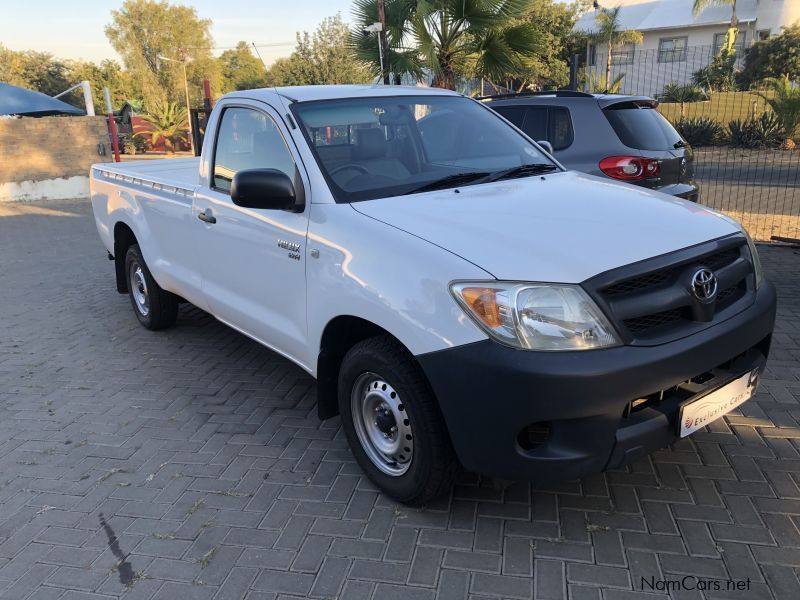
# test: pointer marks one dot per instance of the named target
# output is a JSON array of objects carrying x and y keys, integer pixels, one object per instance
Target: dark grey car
[{"x": 617, "y": 136}]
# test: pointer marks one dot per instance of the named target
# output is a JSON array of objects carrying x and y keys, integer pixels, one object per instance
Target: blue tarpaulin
[{"x": 27, "y": 103}]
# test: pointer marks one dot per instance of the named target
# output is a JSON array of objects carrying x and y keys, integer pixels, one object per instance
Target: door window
[
  {"x": 542, "y": 123},
  {"x": 559, "y": 131},
  {"x": 535, "y": 125},
  {"x": 248, "y": 139}
]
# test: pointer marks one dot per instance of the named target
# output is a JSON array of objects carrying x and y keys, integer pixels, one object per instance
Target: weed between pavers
[
  {"x": 109, "y": 473},
  {"x": 206, "y": 558}
]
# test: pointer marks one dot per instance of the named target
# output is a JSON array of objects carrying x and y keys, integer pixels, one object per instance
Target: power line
[{"x": 266, "y": 45}]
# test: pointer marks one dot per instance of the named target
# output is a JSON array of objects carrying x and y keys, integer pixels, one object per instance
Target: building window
[
  {"x": 672, "y": 49},
  {"x": 763, "y": 34},
  {"x": 623, "y": 55},
  {"x": 591, "y": 55},
  {"x": 719, "y": 41}
]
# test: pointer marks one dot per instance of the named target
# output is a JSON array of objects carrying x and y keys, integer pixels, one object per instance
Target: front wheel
[
  {"x": 155, "y": 307},
  {"x": 393, "y": 423}
]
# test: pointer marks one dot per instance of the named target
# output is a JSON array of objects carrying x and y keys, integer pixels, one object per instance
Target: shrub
[
  {"x": 772, "y": 57},
  {"x": 683, "y": 93},
  {"x": 132, "y": 144},
  {"x": 785, "y": 104},
  {"x": 765, "y": 131},
  {"x": 700, "y": 131}
]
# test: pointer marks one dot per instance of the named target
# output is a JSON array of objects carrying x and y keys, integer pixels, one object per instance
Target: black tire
[
  {"x": 160, "y": 309},
  {"x": 433, "y": 465}
]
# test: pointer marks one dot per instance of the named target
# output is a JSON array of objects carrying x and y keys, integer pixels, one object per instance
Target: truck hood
[{"x": 563, "y": 228}]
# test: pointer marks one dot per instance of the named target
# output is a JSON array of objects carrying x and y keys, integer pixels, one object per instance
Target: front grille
[
  {"x": 652, "y": 300},
  {"x": 639, "y": 283},
  {"x": 649, "y": 322},
  {"x": 658, "y": 278}
]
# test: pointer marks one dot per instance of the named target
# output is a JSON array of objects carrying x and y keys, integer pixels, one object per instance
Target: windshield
[{"x": 377, "y": 147}]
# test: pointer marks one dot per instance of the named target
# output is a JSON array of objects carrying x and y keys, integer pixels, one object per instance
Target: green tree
[
  {"x": 42, "y": 72},
  {"x": 38, "y": 71},
  {"x": 142, "y": 31},
  {"x": 452, "y": 38},
  {"x": 319, "y": 58},
  {"x": 403, "y": 58},
  {"x": 553, "y": 22},
  {"x": 773, "y": 57},
  {"x": 610, "y": 33},
  {"x": 108, "y": 74},
  {"x": 241, "y": 70}
]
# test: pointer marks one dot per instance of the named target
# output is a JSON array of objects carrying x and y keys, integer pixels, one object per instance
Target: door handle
[{"x": 207, "y": 217}]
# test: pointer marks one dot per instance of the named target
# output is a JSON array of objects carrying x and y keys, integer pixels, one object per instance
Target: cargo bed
[{"x": 178, "y": 174}]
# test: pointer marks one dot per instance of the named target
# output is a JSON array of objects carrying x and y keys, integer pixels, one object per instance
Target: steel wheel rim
[
  {"x": 141, "y": 298},
  {"x": 382, "y": 424}
]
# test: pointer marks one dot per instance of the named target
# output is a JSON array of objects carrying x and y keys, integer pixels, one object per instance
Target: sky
[{"x": 74, "y": 28}]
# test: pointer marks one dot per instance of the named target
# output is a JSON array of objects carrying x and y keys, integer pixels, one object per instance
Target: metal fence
[{"x": 744, "y": 159}]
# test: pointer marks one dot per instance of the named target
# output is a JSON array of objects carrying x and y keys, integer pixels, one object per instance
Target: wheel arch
[
  {"x": 339, "y": 335},
  {"x": 124, "y": 238}
]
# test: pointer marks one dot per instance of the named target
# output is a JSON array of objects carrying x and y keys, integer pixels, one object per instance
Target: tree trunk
[
  {"x": 446, "y": 79},
  {"x": 608, "y": 68},
  {"x": 383, "y": 42}
]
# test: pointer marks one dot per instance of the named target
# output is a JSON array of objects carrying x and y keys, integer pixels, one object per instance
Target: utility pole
[{"x": 384, "y": 47}]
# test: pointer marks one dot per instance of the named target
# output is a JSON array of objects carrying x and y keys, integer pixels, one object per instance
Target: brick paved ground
[{"x": 190, "y": 464}]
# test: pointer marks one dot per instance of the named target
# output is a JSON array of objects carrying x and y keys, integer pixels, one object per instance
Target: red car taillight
[{"x": 630, "y": 168}]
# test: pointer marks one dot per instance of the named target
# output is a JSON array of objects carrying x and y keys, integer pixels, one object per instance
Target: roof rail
[{"x": 556, "y": 93}]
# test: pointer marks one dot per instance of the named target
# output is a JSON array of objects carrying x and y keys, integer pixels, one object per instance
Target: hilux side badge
[{"x": 292, "y": 247}]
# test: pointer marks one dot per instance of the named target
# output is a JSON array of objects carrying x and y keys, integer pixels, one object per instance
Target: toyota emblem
[{"x": 704, "y": 285}]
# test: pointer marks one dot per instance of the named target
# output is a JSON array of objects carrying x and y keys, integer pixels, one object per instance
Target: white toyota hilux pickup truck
[{"x": 460, "y": 298}]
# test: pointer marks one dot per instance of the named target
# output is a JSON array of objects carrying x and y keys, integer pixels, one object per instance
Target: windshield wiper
[
  {"x": 450, "y": 180},
  {"x": 522, "y": 171}
]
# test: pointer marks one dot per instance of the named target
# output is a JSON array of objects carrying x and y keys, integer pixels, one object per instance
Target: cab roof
[{"x": 309, "y": 93}]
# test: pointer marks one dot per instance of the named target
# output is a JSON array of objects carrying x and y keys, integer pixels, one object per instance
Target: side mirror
[
  {"x": 546, "y": 146},
  {"x": 263, "y": 188}
]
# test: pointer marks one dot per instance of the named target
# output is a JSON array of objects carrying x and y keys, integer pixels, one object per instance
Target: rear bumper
[
  {"x": 490, "y": 394},
  {"x": 688, "y": 190}
]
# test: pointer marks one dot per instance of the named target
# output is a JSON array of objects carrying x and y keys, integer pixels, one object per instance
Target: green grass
[{"x": 723, "y": 107}]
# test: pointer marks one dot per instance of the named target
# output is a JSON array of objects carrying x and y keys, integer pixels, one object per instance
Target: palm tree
[
  {"x": 596, "y": 85},
  {"x": 700, "y": 6},
  {"x": 785, "y": 103},
  {"x": 401, "y": 60},
  {"x": 446, "y": 37},
  {"x": 609, "y": 32},
  {"x": 166, "y": 121}
]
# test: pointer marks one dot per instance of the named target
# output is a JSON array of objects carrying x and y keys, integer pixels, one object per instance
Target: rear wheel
[
  {"x": 155, "y": 307},
  {"x": 393, "y": 423}
]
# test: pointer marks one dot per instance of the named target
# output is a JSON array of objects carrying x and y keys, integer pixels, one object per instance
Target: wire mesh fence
[{"x": 745, "y": 159}]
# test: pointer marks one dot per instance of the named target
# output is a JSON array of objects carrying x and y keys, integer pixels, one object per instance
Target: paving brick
[
  {"x": 283, "y": 581},
  {"x": 202, "y": 451},
  {"x": 502, "y": 585},
  {"x": 607, "y": 577},
  {"x": 425, "y": 566},
  {"x": 549, "y": 579}
]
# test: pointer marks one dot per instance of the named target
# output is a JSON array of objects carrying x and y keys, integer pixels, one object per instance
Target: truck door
[{"x": 253, "y": 260}]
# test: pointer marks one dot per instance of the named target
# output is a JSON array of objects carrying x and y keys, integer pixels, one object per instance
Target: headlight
[
  {"x": 536, "y": 316},
  {"x": 756, "y": 260}
]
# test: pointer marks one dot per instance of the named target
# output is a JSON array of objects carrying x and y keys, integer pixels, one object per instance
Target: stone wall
[{"x": 50, "y": 156}]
